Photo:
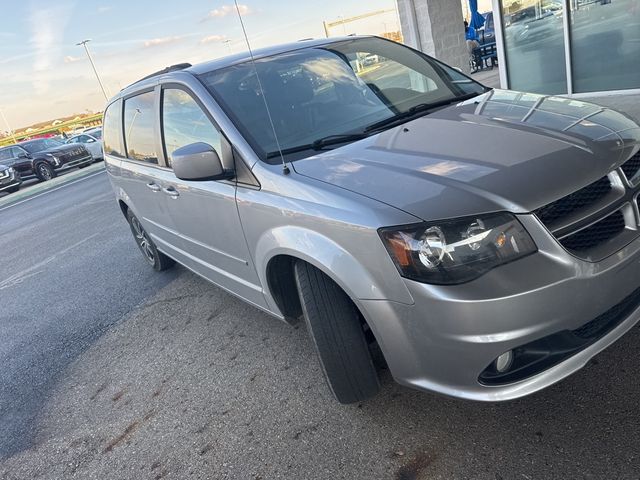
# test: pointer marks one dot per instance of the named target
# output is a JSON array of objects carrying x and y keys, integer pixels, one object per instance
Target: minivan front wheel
[
  {"x": 158, "y": 260},
  {"x": 44, "y": 171},
  {"x": 337, "y": 334}
]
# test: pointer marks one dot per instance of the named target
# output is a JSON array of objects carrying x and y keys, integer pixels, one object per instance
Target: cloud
[
  {"x": 212, "y": 38},
  {"x": 155, "y": 42},
  {"x": 104, "y": 9},
  {"x": 70, "y": 59},
  {"x": 225, "y": 10},
  {"x": 47, "y": 26}
]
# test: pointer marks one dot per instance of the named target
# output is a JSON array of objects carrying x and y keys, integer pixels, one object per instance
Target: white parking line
[
  {"x": 19, "y": 277},
  {"x": 53, "y": 190}
]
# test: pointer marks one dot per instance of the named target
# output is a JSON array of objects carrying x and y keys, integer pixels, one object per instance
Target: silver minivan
[{"x": 483, "y": 244}]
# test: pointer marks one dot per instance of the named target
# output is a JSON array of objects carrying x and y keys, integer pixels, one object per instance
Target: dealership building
[{"x": 547, "y": 46}]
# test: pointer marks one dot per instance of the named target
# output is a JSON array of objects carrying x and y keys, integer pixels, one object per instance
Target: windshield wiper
[
  {"x": 419, "y": 108},
  {"x": 321, "y": 143},
  {"x": 336, "y": 139}
]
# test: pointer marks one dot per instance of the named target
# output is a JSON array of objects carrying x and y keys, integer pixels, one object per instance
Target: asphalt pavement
[{"x": 110, "y": 370}]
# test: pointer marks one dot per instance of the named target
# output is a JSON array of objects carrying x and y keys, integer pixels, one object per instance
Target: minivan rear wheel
[
  {"x": 334, "y": 324},
  {"x": 158, "y": 260}
]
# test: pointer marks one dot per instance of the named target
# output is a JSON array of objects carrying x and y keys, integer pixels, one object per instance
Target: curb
[{"x": 45, "y": 186}]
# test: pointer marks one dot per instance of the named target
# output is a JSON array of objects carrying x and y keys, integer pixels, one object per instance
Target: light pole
[
  {"x": 135, "y": 115},
  {"x": 13, "y": 135},
  {"x": 86, "y": 49}
]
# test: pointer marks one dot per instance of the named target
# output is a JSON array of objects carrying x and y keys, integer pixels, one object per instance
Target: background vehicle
[
  {"x": 404, "y": 207},
  {"x": 10, "y": 180},
  {"x": 487, "y": 33},
  {"x": 91, "y": 140},
  {"x": 44, "y": 158}
]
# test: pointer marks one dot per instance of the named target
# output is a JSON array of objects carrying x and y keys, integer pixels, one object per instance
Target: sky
[{"x": 45, "y": 75}]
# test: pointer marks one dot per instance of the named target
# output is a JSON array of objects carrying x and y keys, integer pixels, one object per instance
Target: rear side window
[
  {"x": 6, "y": 154},
  {"x": 184, "y": 122},
  {"x": 139, "y": 134},
  {"x": 112, "y": 130}
]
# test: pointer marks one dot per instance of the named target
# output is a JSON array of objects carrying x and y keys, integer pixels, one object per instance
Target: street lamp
[
  {"x": 135, "y": 115},
  {"x": 86, "y": 49}
]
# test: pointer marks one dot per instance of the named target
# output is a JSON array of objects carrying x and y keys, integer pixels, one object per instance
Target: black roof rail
[{"x": 172, "y": 68}]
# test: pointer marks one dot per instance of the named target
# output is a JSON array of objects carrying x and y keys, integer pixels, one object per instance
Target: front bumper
[
  {"x": 13, "y": 180},
  {"x": 80, "y": 162},
  {"x": 451, "y": 334}
]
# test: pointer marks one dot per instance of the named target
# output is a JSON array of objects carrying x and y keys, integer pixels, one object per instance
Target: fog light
[{"x": 503, "y": 362}]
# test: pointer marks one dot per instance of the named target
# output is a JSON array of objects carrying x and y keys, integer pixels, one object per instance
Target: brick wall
[{"x": 435, "y": 27}]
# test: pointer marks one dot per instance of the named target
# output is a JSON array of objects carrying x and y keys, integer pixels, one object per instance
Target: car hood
[
  {"x": 502, "y": 150},
  {"x": 59, "y": 149}
]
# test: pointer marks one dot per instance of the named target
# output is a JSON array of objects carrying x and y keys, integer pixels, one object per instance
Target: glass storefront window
[
  {"x": 534, "y": 45},
  {"x": 605, "y": 44}
]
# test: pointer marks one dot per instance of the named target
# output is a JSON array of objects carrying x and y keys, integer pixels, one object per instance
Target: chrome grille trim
[
  {"x": 631, "y": 169},
  {"x": 593, "y": 223}
]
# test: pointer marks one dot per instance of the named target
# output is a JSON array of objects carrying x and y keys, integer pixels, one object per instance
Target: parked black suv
[
  {"x": 10, "y": 180},
  {"x": 44, "y": 158}
]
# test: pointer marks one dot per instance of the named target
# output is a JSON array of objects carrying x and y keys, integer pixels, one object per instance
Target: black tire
[
  {"x": 158, "y": 260},
  {"x": 44, "y": 171},
  {"x": 335, "y": 328}
]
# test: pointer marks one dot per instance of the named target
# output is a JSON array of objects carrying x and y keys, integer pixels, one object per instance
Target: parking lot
[{"x": 111, "y": 370}]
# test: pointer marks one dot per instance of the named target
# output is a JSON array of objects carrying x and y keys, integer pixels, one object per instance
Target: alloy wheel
[
  {"x": 45, "y": 172},
  {"x": 143, "y": 240}
]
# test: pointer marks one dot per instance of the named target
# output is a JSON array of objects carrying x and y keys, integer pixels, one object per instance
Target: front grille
[
  {"x": 583, "y": 198},
  {"x": 606, "y": 322},
  {"x": 631, "y": 166},
  {"x": 596, "y": 234},
  {"x": 4, "y": 174},
  {"x": 74, "y": 154}
]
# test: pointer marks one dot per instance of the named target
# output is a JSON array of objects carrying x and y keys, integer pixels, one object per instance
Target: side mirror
[
  {"x": 90, "y": 140},
  {"x": 23, "y": 154},
  {"x": 198, "y": 161}
]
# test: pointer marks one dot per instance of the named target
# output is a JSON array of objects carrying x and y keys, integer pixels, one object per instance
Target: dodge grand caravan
[{"x": 485, "y": 242}]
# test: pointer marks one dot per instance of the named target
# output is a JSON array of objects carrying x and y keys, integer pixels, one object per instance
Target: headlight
[
  {"x": 10, "y": 170},
  {"x": 456, "y": 251},
  {"x": 55, "y": 159}
]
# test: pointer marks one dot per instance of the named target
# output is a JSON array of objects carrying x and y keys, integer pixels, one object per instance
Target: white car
[{"x": 92, "y": 141}]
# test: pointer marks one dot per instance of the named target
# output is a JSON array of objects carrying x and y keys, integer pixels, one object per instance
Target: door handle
[
  {"x": 172, "y": 192},
  {"x": 153, "y": 186}
]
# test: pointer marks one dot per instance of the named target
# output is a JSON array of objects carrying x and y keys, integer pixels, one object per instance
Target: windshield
[
  {"x": 35, "y": 146},
  {"x": 97, "y": 134},
  {"x": 337, "y": 89}
]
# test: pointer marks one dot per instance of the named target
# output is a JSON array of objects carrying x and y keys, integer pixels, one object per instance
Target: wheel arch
[
  {"x": 277, "y": 250},
  {"x": 124, "y": 208}
]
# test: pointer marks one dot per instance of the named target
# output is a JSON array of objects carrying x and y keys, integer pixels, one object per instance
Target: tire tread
[{"x": 334, "y": 324}]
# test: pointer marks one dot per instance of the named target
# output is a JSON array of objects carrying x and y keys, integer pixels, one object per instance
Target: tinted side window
[
  {"x": 5, "y": 154},
  {"x": 184, "y": 122},
  {"x": 112, "y": 129},
  {"x": 139, "y": 137}
]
